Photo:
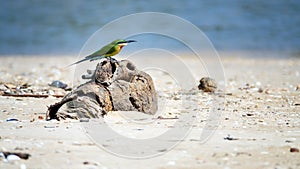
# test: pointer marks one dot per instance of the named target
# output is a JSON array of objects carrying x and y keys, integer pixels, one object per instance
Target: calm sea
[{"x": 62, "y": 27}]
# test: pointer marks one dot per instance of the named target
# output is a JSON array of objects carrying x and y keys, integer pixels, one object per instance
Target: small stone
[
  {"x": 58, "y": 84},
  {"x": 207, "y": 84},
  {"x": 50, "y": 126},
  {"x": 2, "y": 155},
  {"x": 40, "y": 117},
  {"x": 230, "y": 138},
  {"x": 19, "y": 148},
  {"x": 51, "y": 92},
  {"x": 11, "y": 120},
  {"x": 84, "y": 120},
  {"x": 13, "y": 157},
  {"x": 8, "y": 91},
  {"x": 90, "y": 163},
  {"x": 90, "y": 71},
  {"x": 176, "y": 98},
  {"x": 298, "y": 87},
  {"x": 267, "y": 91},
  {"x": 250, "y": 114},
  {"x": 294, "y": 150}
]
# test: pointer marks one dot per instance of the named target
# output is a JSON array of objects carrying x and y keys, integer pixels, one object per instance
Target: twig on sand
[
  {"x": 167, "y": 118},
  {"x": 31, "y": 95}
]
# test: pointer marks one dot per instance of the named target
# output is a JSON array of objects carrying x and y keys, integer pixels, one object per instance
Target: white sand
[{"x": 263, "y": 125}]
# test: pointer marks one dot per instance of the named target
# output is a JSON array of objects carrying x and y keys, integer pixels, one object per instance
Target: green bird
[{"x": 107, "y": 51}]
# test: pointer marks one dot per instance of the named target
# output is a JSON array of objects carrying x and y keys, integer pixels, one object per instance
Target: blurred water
[{"x": 62, "y": 27}]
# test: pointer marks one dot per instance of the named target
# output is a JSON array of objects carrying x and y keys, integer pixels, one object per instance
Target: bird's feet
[{"x": 113, "y": 60}]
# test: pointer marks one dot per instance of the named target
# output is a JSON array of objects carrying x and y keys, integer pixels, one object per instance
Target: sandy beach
[{"x": 258, "y": 126}]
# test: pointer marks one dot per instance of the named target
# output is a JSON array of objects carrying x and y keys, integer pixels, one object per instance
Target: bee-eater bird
[{"x": 107, "y": 51}]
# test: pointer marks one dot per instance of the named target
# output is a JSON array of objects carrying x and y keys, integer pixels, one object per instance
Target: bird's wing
[{"x": 103, "y": 51}]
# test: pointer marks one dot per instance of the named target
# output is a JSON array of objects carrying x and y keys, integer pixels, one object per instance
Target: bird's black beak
[{"x": 129, "y": 41}]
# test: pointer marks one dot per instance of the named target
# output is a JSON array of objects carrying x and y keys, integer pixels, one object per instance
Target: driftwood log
[{"x": 113, "y": 86}]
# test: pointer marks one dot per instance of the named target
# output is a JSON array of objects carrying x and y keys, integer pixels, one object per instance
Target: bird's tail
[
  {"x": 90, "y": 57},
  {"x": 79, "y": 61}
]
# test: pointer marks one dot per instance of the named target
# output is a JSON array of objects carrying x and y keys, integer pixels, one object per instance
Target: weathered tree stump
[{"x": 113, "y": 86}]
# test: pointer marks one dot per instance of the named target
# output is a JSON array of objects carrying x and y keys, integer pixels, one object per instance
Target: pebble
[
  {"x": 250, "y": 114},
  {"x": 90, "y": 71},
  {"x": 11, "y": 119},
  {"x": 138, "y": 129},
  {"x": 41, "y": 117},
  {"x": 176, "y": 98},
  {"x": 298, "y": 87},
  {"x": 50, "y": 126},
  {"x": 13, "y": 157},
  {"x": 294, "y": 150},
  {"x": 1, "y": 155},
  {"x": 207, "y": 84},
  {"x": 51, "y": 92},
  {"x": 90, "y": 163},
  {"x": 58, "y": 84},
  {"x": 230, "y": 138},
  {"x": 84, "y": 120},
  {"x": 8, "y": 91}
]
